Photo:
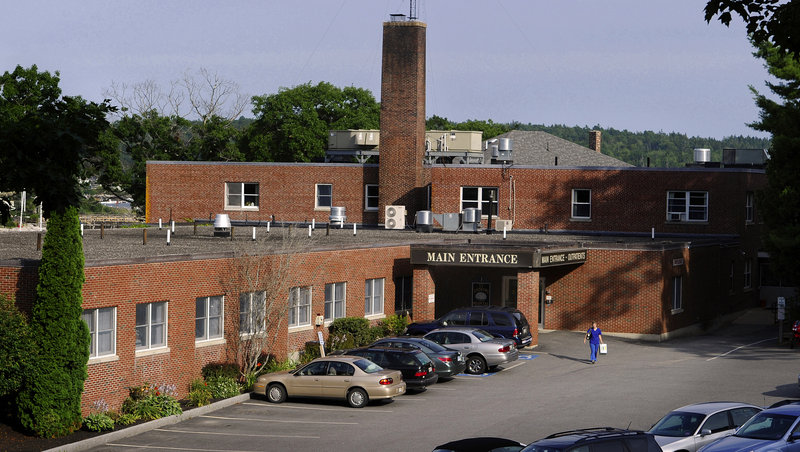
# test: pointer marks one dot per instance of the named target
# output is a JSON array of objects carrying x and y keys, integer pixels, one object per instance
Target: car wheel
[
  {"x": 476, "y": 364},
  {"x": 357, "y": 398},
  {"x": 276, "y": 393}
]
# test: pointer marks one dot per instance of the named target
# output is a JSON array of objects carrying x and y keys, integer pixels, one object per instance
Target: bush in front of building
[
  {"x": 212, "y": 370},
  {"x": 199, "y": 392},
  {"x": 349, "y": 332},
  {"x": 15, "y": 352},
  {"x": 393, "y": 325},
  {"x": 150, "y": 402},
  {"x": 223, "y": 387},
  {"x": 49, "y": 402},
  {"x": 99, "y": 420}
]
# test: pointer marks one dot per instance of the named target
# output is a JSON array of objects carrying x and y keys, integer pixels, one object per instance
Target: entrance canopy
[{"x": 493, "y": 255}]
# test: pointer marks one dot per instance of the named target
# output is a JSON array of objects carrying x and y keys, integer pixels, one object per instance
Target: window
[
  {"x": 208, "y": 318},
  {"x": 334, "y": 300},
  {"x": 748, "y": 273},
  {"x": 252, "y": 312},
  {"x": 718, "y": 422},
  {"x": 731, "y": 277},
  {"x": 324, "y": 196},
  {"x": 299, "y": 306},
  {"x": 483, "y": 197},
  {"x": 241, "y": 195},
  {"x": 749, "y": 207},
  {"x": 151, "y": 325},
  {"x": 403, "y": 293},
  {"x": 581, "y": 203},
  {"x": 370, "y": 197},
  {"x": 102, "y": 325},
  {"x": 373, "y": 296},
  {"x": 677, "y": 293},
  {"x": 687, "y": 206}
]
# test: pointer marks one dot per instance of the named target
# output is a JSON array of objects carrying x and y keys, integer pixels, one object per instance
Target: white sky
[{"x": 628, "y": 64}]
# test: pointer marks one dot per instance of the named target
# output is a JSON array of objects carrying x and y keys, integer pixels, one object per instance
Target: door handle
[{"x": 346, "y": 380}]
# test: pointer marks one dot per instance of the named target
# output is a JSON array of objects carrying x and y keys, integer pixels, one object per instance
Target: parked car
[
  {"x": 417, "y": 368},
  {"x": 501, "y": 321},
  {"x": 483, "y": 350},
  {"x": 774, "y": 429},
  {"x": 448, "y": 363},
  {"x": 596, "y": 439},
  {"x": 481, "y": 444},
  {"x": 690, "y": 427},
  {"x": 353, "y": 378}
]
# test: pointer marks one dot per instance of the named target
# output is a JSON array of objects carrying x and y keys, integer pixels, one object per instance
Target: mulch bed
[{"x": 14, "y": 439}]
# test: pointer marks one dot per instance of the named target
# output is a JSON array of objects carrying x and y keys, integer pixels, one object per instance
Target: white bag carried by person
[{"x": 603, "y": 349}]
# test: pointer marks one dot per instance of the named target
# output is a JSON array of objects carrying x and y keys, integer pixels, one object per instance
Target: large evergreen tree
[{"x": 50, "y": 401}]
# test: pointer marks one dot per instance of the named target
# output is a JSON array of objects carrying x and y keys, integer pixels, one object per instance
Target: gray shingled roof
[{"x": 541, "y": 149}]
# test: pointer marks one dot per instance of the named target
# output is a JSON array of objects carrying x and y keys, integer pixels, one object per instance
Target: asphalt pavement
[{"x": 552, "y": 388}]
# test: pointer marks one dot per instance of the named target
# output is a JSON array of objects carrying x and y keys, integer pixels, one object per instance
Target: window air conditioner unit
[
  {"x": 676, "y": 216},
  {"x": 395, "y": 217}
]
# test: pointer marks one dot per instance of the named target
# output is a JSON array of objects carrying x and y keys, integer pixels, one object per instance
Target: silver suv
[{"x": 690, "y": 427}]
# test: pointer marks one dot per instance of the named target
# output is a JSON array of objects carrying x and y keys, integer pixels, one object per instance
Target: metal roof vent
[
  {"x": 222, "y": 225},
  {"x": 702, "y": 155}
]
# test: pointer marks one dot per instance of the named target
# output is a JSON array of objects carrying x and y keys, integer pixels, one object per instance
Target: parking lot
[{"x": 552, "y": 388}]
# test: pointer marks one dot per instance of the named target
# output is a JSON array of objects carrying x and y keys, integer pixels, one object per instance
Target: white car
[{"x": 691, "y": 427}]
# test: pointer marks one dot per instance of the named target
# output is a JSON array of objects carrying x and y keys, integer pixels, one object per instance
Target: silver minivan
[{"x": 690, "y": 427}]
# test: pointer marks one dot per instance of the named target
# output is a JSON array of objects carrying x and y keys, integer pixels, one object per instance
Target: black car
[
  {"x": 417, "y": 368},
  {"x": 601, "y": 438},
  {"x": 481, "y": 444},
  {"x": 448, "y": 363},
  {"x": 500, "y": 321}
]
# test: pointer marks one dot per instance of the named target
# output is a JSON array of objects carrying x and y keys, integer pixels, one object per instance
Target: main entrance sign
[{"x": 493, "y": 257}]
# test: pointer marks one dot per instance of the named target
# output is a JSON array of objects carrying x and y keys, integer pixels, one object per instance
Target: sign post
[{"x": 321, "y": 344}]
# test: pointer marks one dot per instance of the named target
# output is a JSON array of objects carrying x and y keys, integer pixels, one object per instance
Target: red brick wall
[
  {"x": 194, "y": 190},
  {"x": 622, "y": 200}
]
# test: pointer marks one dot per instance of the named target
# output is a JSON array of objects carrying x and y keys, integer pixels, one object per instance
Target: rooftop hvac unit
[
  {"x": 395, "y": 217},
  {"x": 338, "y": 216},
  {"x": 424, "y": 221},
  {"x": 702, "y": 155}
]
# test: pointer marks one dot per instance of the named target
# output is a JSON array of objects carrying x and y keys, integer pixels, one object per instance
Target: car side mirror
[
  {"x": 444, "y": 322},
  {"x": 705, "y": 432}
]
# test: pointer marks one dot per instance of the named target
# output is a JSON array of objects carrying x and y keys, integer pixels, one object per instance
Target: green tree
[
  {"x": 47, "y": 140},
  {"x": 292, "y": 125},
  {"x": 49, "y": 403},
  {"x": 15, "y": 350},
  {"x": 779, "y": 202},
  {"x": 768, "y": 21}
]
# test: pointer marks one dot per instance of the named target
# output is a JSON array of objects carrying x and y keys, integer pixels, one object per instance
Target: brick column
[
  {"x": 528, "y": 300},
  {"x": 423, "y": 286}
]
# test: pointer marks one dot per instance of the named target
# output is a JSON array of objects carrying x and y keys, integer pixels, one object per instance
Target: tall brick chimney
[
  {"x": 595, "y": 140},
  {"x": 402, "y": 177}
]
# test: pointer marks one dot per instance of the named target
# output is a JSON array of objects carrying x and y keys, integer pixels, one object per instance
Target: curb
[{"x": 147, "y": 426}]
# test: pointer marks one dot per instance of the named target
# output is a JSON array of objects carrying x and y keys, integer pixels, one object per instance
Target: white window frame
[
  {"x": 92, "y": 319},
  {"x": 320, "y": 196},
  {"x": 370, "y": 206},
  {"x": 252, "y": 307},
  {"x": 150, "y": 324},
  {"x": 748, "y": 274},
  {"x": 677, "y": 294},
  {"x": 576, "y": 204},
  {"x": 246, "y": 201},
  {"x": 749, "y": 207},
  {"x": 374, "y": 290},
  {"x": 483, "y": 200},
  {"x": 687, "y": 206},
  {"x": 332, "y": 301},
  {"x": 299, "y": 301},
  {"x": 207, "y": 318}
]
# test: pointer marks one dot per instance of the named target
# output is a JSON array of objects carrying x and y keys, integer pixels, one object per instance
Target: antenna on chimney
[{"x": 412, "y": 9}]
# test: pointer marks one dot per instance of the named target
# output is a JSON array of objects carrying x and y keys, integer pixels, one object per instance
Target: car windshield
[
  {"x": 482, "y": 336},
  {"x": 769, "y": 426},
  {"x": 677, "y": 423},
  {"x": 367, "y": 366}
]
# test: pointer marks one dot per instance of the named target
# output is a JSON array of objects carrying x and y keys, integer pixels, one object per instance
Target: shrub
[
  {"x": 15, "y": 348},
  {"x": 222, "y": 387},
  {"x": 394, "y": 324},
  {"x": 49, "y": 402},
  {"x": 125, "y": 419},
  {"x": 98, "y": 422},
  {"x": 151, "y": 402},
  {"x": 212, "y": 370},
  {"x": 349, "y": 332},
  {"x": 310, "y": 352},
  {"x": 199, "y": 392}
]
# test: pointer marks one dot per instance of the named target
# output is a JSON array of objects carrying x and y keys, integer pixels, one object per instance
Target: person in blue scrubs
[{"x": 595, "y": 338}]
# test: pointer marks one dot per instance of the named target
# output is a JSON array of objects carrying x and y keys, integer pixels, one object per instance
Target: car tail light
[
  {"x": 421, "y": 373},
  {"x": 445, "y": 359},
  {"x": 386, "y": 381},
  {"x": 516, "y": 332},
  {"x": 504, "y": 349}
]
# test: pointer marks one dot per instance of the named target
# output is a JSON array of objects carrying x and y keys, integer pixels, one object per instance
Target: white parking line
[
  {"x": 277, "y": 421},
  {"x": 737, "y": 348},
  {"x": 294, "y": 407},
  {"x": 139, "y": 446},
  {"x": 515, "y": 365},
  {"x": 251, "y": 435}
]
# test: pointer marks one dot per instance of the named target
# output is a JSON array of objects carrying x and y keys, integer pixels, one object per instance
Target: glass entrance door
[{"x": 510, "y": 291}]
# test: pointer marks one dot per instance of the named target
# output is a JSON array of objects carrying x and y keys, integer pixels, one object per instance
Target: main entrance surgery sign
[{"x": 488, "y": 257}]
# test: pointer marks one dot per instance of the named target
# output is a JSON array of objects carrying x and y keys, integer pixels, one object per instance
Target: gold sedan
[{"x": 340, "y": 377}]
